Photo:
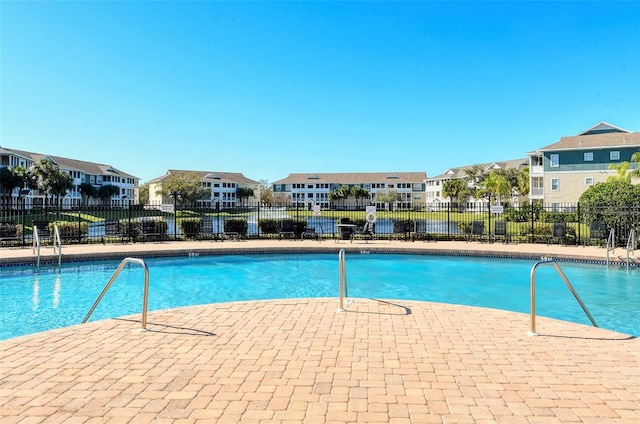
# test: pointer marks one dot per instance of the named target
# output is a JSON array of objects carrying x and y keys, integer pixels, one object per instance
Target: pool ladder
[
  {"x": 566, "y": 281},
  {"x": 344, "y": 292},
  {"x": 57, "y": 244},
  {"x": 145, "y": 295},
  {"x": 630, "y": 248}
]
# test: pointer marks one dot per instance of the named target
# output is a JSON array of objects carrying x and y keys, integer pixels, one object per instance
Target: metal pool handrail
[
  {"x": 57, "y": 243},
  {"x": 631, "y": 245},
  {"x": 343, "y": 280},
  {"x": 611, "y": 243},
  {"x": 36, "y": 245},
  {"x": 145, "y": 296},
  {"x": 566, "y": 281}
]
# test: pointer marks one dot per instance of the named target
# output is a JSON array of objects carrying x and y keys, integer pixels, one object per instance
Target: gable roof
[
  {"x": 233, "y": 177},
  {"x": 90, "y": 168},
  {"x": 595, "y": 140},
  {"x": 460, "y": 172},
  {"x": 602, "y": 127},
  {"x": 353, "y": 178}
]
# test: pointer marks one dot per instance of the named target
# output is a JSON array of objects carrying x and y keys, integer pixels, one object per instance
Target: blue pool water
[{"x": 33, "y": 301}]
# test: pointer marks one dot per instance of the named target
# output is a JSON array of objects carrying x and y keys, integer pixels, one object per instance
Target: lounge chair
[
  {"x": 8, "y": 232},
  {"x": 477, "y": 231},
  {"x": 500, "y": 230},
  {"x": 287, "y": 228}
]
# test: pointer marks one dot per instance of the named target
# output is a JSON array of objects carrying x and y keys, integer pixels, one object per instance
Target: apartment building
[
  {"x": 314, "y": 188},
  {"x": 437, "y": 201},
  {"x": 560, "y": 172},
  {"x": 223, "y": 185},
  {"x": 96, "y": 174}
]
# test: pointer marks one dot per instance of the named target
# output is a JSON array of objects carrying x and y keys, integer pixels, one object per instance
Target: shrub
[
  {"x": 191, "y": 227},
  {"x": 464, "y": 227},
  {"x": 70, "y": 230},
  {"x": 239, "y": 225},
  {"x": 269, "y": 226}
]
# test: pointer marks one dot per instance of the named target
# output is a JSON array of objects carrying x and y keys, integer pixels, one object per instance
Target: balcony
[
  {"x": 536, "y": 192},
  {"x": 536, "y": 170}
]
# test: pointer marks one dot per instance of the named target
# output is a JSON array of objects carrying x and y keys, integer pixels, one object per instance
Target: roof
[
  {"x": 602, "y": 135},
  {"x": 91, "y": 168},
  {"x": 460, "y": 172},
  {"x": 354, "y": 178},
  {"x": 234, "y": 177}
]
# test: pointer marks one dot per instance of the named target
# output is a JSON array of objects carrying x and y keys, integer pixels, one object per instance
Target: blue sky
[{"x": 269, "y": 88}]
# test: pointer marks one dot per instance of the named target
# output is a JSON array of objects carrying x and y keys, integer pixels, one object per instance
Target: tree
[
  {"x": 359, "y": 193},
  {"x": 87, "y": 191},
  {"x": 50, "y": 180},
  {"x": 457, "y": 189},
  {"x": 106, "y": 192},
  {"x": 341, "y": 193},
  {"x": 625, "y": 170},
  {"x": 143, "y": 194},
  {"x": 523, "y": 182},
  {"x": 475, "y": 176},
  {"x": 611, "y": 203},
  {"x": 244, "y": 193},
  {"x": 496, "y": 184},
  {"x": 184, "y": 187},
  {"x": 266, "y": 196},
  {"x": 8, "y": 180},
  {"x": 388, "y": 196}
]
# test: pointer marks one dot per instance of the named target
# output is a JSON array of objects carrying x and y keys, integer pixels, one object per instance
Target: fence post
[
  {"x": 533, "y": 212},
  {"x": 449, "y": 221},
  {"x": 578, "y": 238}
]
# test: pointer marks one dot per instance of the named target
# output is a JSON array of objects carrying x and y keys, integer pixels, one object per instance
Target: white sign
[
  {"x": 166, "y": 208},
  {"x": 316, "y": 210},
  {"x": 497, "y": 209}
]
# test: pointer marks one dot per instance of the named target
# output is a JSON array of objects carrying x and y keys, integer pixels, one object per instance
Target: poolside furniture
[
  {"x": 500, "y": 230},
  {"x": 598, "y": 231},
  {"x": 420, "y": 231},
  {"x": 231, "y": 229},
  {"x": 366, "y": 231},
  {"x": 8, "y": 232},
  {"x": 44, "y": 233},
  {"x": 401, "y": 228},
  {"x": 287, "y": 228},
  {"x": 477, "y": 231},
  {"x": 346, "y": 228},
  {"x": 151, "y": 230},
  {"x": 558, "y": 232},
  {"x": 206, "y": 229},
  {"x": 113, "y": 230},
  {"x": 311, "y": 233}
]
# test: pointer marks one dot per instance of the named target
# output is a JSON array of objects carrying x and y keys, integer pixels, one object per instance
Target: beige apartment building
[
  {"x": 560, "y": 172},
  {"x": 314, "y": 188}
]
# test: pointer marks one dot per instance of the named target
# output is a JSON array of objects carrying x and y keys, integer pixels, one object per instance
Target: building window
[
  {"x": 588, "y": 181},
  {"x": 615, "y": 155},
  {"x": 555, "y": 160},
  {"x": 555, "y": 184},
  {"x": 588, "y": 157}
]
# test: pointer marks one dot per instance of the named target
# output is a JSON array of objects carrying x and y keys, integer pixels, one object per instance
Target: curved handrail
[
  {"x": 631, "y": 245},
  {"x": 611, "y": 243},
  {"x": 145, "y": 295},
  {"x": 566, "y": 281},
  {"x": 343, "y": 280},
  {"x": 57, "y": 243},
  {"x": 36, "y": 245}
]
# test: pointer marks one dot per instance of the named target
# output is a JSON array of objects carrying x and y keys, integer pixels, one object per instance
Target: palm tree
[
  {"x": 359, "y": 193},
  {"x": 456, "y": 189}
]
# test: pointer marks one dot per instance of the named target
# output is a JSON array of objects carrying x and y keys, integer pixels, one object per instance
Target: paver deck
[{"x": 301, "y": 360}]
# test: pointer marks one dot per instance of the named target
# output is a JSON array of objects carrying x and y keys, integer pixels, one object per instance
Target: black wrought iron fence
[{"x": 567, "y": 223}]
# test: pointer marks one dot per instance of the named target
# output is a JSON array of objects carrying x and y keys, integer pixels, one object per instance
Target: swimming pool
[{"x": 33, "y": 301}]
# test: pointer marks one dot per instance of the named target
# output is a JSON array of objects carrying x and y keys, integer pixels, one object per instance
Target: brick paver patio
[{"x": 303, "y": 361}]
